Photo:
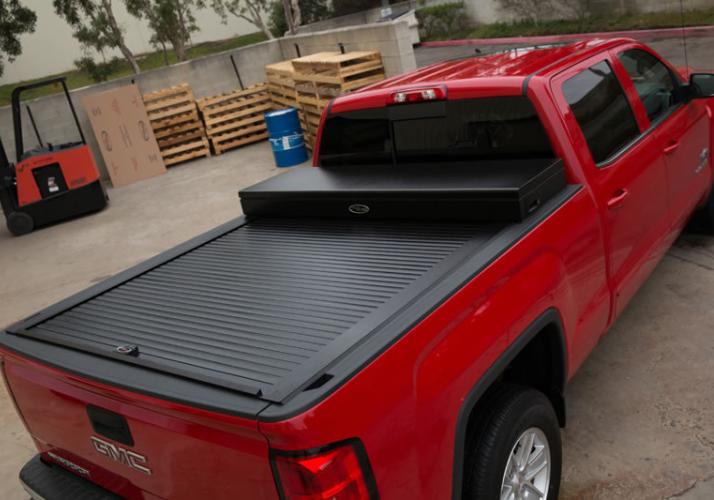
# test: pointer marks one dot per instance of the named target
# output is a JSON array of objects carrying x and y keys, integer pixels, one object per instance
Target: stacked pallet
[
  {"x": 281, "y": 84},
  {"x": 321, "y": 77},
  {"x": 177, "y": 127},
  {"x": 236, "y": 118}
]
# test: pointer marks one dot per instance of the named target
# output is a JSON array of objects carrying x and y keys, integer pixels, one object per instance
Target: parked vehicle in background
[{"x": 304, "y": 358}]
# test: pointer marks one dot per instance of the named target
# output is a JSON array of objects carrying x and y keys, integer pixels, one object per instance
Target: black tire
[
  {"x": 19, "y": 223},
  {"x": 707, "y": 213},
  {"x": 505, "y": 415}
]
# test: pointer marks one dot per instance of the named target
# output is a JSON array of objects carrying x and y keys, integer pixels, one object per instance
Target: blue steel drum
[{"x": 286, "y": 137}]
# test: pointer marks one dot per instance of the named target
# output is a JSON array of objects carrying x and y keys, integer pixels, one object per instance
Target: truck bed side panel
[{"x": 406, "y": 403}]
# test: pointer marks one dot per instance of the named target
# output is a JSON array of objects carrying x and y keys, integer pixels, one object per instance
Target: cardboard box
[{"x": 126, "y": 139}]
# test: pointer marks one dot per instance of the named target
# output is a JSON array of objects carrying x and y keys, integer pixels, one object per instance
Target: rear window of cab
[{"x": 470, "y": 129}]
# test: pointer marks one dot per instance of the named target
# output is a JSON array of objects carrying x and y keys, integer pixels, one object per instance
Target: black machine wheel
[
  {"x": 514, "y": 450},
  {"x": 19, "y": 223}
]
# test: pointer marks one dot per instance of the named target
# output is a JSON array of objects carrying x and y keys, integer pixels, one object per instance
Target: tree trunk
[
  {"x": 297, "y": 15},
  {"x": 129, "y": 56},
  {"x": 182, "y": 24},
  {"x": 178, "y": 40},
  {"x": 179, "y": 44},
  {"x": 289, "y": 16},
  {"x": 119, "y": 37},
  {"x": 256, "y": 19},
  {"x": 166, "y": 54}
]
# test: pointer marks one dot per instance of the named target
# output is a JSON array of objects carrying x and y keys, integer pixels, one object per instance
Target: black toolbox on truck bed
[{"x": 485, "y": 191}]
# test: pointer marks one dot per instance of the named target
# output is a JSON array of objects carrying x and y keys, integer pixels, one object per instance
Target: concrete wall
[
  {"x": 400, "y": 11},
  {"x": 212, "y": 75},
  {"x": 368, "y": 16}
]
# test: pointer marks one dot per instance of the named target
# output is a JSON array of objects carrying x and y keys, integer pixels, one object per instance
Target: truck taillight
[
  {"x": 418, "y": 95},
  {"x": 336, "y": 472}
]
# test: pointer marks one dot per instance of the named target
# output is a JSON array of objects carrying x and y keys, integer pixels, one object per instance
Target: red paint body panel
[
  {"x": 403, "y": 406},
  {"x": 190, "y": 452},
  {"x": 77, "y": 165},
  {"x": 585, "y": 261}
]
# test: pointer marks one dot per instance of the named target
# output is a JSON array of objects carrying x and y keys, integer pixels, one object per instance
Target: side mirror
[{"x": 701, "y": 85}]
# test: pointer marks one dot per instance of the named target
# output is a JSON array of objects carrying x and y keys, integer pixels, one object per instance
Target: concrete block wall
[
  {"x": 367, "y": 16},
  {"x": 209, "y": 76}
]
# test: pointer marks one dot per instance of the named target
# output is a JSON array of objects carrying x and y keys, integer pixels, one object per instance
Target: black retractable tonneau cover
[{"x": 266, "y": 306}]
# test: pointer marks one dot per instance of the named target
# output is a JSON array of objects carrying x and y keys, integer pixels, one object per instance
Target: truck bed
[{"x": 266, "y": 307}]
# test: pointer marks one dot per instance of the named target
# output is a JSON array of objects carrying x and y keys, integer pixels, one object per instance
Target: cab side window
[
  {"x": 602, "y": 111},
  {"x": 654, "y": 83}
]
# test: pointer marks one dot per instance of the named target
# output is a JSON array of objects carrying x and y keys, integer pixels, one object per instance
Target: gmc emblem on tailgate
[{"x": 121, "y": 455}]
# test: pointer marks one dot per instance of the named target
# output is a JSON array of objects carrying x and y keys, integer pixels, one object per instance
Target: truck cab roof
[{"x": 501, "y": 73}]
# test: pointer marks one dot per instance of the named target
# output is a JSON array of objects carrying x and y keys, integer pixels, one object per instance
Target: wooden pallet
[
  {"x": 236, "y": 118},
  {"x": 310, "y": 106},
  {"x": 177, "y": 126},
  {"x": 281, "y": 85},
  {"x": 186, "y": 151},
  {"x": 347, "y": 71},
  {"x": 320, "y": 77}
]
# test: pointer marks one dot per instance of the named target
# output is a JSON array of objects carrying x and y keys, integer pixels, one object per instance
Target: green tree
[
  {"x": 248, "y": 10},
  {"x": 278, "y": 23},
  {"x": 98, "y": 71},
  {"x": 171, "y": 21},
  {"x": 95, "y": 26},
  {"x": 15, "y": 20}
]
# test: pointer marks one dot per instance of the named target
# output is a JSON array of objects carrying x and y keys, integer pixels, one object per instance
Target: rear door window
[
  {"x": 471, "y": 129},
  {"x": 601, "y": 110},
  {"x": 654, "y": 83}
]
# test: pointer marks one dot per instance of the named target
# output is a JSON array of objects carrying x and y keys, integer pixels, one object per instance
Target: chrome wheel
[{"x": 527, "y": 474}]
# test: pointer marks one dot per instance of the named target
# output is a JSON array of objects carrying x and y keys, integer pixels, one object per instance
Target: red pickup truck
[{"x": 311, "y": 358}]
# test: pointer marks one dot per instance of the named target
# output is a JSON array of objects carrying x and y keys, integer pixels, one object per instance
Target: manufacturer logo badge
[
  {"x": 358, "y": 208},
  {"x": 129, "y": 458}
]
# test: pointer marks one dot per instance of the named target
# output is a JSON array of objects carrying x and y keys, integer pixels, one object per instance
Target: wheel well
[
  {"x": 537, "y": 359},
  {"x": 541, "y": 365}
]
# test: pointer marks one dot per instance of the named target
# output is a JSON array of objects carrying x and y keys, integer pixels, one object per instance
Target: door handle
[
  {"x": 671, "y": 148},
  {"x": 617, "y": 199}
]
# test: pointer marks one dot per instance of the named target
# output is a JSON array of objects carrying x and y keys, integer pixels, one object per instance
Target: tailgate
[{"x": 135, "y": 445}]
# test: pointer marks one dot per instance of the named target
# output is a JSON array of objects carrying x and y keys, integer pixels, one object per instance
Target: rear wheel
[
  {"x": 19, "y": 223},
  {"x": 708, "y": 213},
  {"x": 514, "y": 449}
]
